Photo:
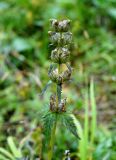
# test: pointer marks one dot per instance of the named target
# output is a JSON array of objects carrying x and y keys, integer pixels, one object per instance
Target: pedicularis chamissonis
[{"x": 61, "y": 39}]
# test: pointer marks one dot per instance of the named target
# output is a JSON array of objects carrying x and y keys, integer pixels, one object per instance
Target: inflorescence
[{"x": 61, "y": 38}]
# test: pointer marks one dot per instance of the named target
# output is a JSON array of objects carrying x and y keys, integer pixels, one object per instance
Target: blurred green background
[{"x": 24, "y": 62}]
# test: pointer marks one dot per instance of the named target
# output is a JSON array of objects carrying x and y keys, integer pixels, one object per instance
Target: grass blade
[
  {"x": 94, "y": 112},
  {"x": 16, "y": 152},
  {"x": 6, "y": 153}
]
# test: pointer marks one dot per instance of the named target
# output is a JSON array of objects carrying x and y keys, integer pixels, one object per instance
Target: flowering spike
[{"x": 61, "y": 38}]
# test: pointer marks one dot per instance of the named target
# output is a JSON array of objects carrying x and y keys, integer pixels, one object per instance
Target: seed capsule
[
  {"x": 66, "y": 38},
  {"x": 54, "y": 24},
  {"x": 61, "y": 26},
  {"x": 60, "y": 55},
  {"x": 62, "y": 105},
  {"x": 53, "y": 102},
  {"x": 60, "y": 78},
  {"x": 66, "y": 75},
  {"x": 55, "y": 37},
  {"x": 54, "y": 75},
  {"x": 61, "y": 39}
]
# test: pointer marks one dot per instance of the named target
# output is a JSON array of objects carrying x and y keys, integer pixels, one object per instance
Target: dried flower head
[
  {"x": 61, "y": 38},
  {"x": 61, "y": 26},
  {"x": 60, "y": 55},
  {"x": 60, "y": 78}
]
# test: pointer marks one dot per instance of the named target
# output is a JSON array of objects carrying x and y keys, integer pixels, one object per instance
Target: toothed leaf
[
  {"x": 68, "y": 121},
  {"x": 49, "y": 120}
]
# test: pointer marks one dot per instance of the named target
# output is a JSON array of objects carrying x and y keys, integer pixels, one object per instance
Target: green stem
[
  {"x": 51, "y": 146},
  {"x": 58, "y": 88}
]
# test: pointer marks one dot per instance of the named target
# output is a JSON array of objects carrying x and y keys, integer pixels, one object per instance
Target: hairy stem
[
  {"x": 51, "y": 146},
  {"x": 59, "y": 90}
]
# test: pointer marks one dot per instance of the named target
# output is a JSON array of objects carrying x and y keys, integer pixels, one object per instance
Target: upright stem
[
  {"x": 51, "y": 145},
  {"x": 61, "y": 38},
  {"x": 58, "y": 88}
]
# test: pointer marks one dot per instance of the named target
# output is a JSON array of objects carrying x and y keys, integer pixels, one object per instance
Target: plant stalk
[{"x": 51, "y": 145}]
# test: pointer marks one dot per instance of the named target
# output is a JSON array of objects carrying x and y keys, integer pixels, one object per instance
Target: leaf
[
  {"x": 3, "y": 6},
  {"x": 112, "y": 12},
  {"x": 45, "y": 88},
  {"x": 21, "y": 44},
  {"x": 69, "y": 122},
  {"x": 50, "y": 69},
  {"x": 23, "y": 158},
  {"x": 6, "y": 153},
  {"x": 16, "y": 152},
  {"x": 2, "y": 157},
  {"x": 49, "y": 120}
]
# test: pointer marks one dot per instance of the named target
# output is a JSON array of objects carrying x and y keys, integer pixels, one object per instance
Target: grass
[
  {"x": 87, "y": 141},
  {"x": 93, "y": 113}
]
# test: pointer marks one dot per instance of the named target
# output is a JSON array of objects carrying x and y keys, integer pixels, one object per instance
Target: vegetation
[{"x": 24, "y": 61}]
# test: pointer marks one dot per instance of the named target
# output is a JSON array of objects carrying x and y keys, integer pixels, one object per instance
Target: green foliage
[
  {"x": 49, "y": 119},
  {"x": 94, "y": 112},
  {"x": 106, "y": 147},
  {"x": 68, "y": 121},
  {"x": 15, "y": 152}
]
